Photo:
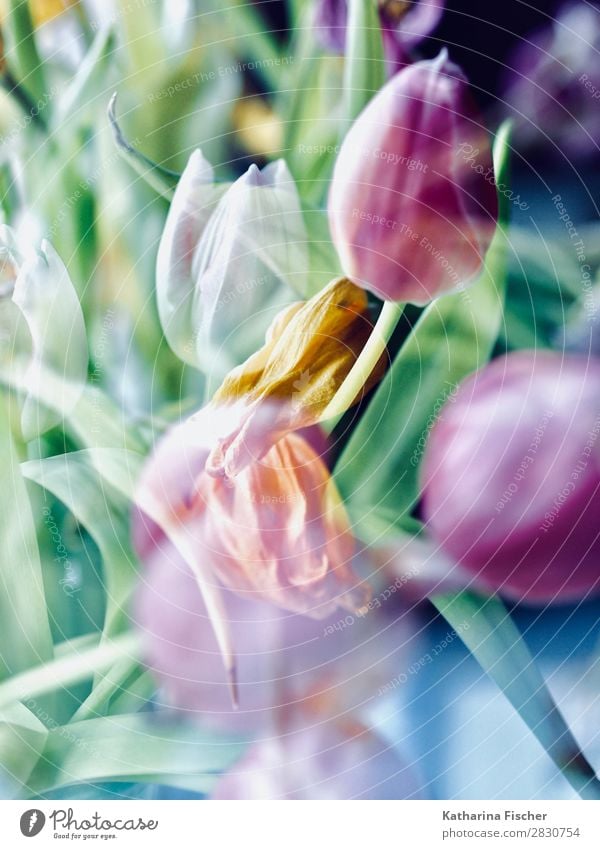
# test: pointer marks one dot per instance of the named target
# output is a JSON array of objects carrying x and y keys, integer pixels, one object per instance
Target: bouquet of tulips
[{"x": 282, "y": 374}]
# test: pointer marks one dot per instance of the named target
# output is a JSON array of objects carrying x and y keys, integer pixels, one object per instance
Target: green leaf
[
  {"x": 101, "y": 502},
  {"x": 146, "y": 747},
  {"x": 377, "y": 473},
  {"x": 25, "y": 637},
  {"x": 47, "y": 300},
  {"x": 311, "y": 108},
  {"x": 141, "y": 36},
  {"x": 485, "y": 626},
  {"x": 312, "y": 139},
  {"x": 113, "y": 682},
  {"x": 104, "y": 512},
  {"x": 364, "y": 68},
  {"x": 544, "y": 281}
]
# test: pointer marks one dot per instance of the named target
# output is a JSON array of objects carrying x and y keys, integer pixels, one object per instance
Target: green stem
[
  {"x": 364, "y": 365},
  {"x": 68, "y": 670},
  {"x": 364, "y": 65},
  {"x": 24, "y": 52}
]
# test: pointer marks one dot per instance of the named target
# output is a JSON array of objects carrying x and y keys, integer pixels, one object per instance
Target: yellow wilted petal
[{"x": 309, "y": 350}]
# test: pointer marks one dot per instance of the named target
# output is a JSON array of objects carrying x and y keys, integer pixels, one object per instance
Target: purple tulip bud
[
  {"x": 511, "y": 477},
  {"x": 412, "y": 205},
  {"x": 553, "y": 83},
  {"x": 403, "y": 25}
]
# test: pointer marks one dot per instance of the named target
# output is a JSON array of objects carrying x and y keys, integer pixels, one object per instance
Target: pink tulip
[
  {"x": 511, "y": 477},
  {"x": 412, "y": 205}
]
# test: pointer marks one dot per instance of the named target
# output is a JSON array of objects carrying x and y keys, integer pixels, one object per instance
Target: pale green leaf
[
  {"x": 104, "y": 512},
  {"x": 22, "y": 740},
  {"x": 137, "y": 747},
  {"x": 68, "y": 669},
  {"x": 25, "y": 637}
]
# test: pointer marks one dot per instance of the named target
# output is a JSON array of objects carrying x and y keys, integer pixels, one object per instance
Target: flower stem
[{"x": 364, "y": 365}]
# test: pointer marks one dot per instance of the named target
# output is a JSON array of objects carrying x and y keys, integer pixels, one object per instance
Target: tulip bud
[
  {"x": 43, "y": 329},
  {"x": 227, "y": 262},
  {"x": 511, "y": 477},
  {"x": 412, "y": 204}
]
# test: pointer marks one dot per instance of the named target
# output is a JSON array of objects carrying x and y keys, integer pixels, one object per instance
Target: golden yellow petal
[{"x": 310, "y": 349}]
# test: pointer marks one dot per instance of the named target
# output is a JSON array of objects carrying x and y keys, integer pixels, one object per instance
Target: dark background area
[{"x": 479, "y": 34}]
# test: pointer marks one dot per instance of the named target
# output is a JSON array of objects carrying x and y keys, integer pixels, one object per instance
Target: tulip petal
[
  {"x": 160, "y": 498},
  {"x": 193, "y": 203},
  {"x": 329, "y": 760},
  {"x": 249, "y": 263}
]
